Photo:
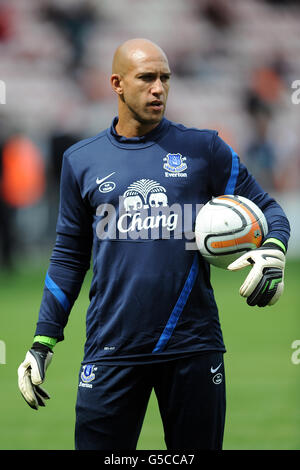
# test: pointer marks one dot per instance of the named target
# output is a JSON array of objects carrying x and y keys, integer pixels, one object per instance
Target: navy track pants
[{"x": 112, "y": 401}]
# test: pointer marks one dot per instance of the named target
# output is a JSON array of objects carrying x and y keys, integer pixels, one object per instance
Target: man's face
[{"x": 145, "y": 88}]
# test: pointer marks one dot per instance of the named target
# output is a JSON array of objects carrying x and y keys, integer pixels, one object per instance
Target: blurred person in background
[
  {"x": 265, "y": 156},
  {"x": 260, "y": 154},
  {"x": 6, "y": 222},
  {"x": 74, "y": 21},
  {"x": 7, "y": 21},
  {"x": 152, "y": 322},
  {"x": 22, "y": 184}
]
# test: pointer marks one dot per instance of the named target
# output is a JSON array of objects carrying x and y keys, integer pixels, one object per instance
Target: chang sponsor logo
[
  {"x": 144, "y": 193},
  {"x": 144, "y": 212}
]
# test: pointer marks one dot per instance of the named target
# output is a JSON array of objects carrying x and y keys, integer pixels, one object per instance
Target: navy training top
[{"x": 131, "y": 203}]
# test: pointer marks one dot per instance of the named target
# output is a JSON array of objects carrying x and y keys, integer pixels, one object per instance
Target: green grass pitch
[{"x": 263, "y": 384}]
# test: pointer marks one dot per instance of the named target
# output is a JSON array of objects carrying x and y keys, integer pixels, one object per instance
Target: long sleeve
[
  {"x": 70, "y": 257},
  {"x": 69, "y": 263},
  {"x": 232, "y": 177}
]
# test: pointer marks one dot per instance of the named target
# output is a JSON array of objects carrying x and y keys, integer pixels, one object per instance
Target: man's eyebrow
[{"x": 140, "y": 74}]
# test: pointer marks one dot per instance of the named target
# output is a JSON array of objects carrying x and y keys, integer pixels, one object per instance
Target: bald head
[
  {"x": 140, "y": 78},
  {"x": 135, "y": 51}
]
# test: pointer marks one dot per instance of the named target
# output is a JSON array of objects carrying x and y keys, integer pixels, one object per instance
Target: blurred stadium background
[{"x": 233, "y": 66}]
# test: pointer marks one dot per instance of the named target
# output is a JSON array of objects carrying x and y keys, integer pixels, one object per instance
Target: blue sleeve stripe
[
  {"x": 177, "y": 310},
  {"x": 230, "y": 187},
  {"x": 57, "y": 292}
]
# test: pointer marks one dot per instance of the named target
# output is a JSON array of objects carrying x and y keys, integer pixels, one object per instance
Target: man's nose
[{"x": 157, "y": 88}]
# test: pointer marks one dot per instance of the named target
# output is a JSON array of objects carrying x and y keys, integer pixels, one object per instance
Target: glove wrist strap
[
  {"x": 46, "y": 340},
  {"x": 276, "y": 242}
]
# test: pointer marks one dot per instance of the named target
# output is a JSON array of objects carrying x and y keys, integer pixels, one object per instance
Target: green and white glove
[
  {"x": 31, "y": 373},
  {"x": 265, "y": 282}
]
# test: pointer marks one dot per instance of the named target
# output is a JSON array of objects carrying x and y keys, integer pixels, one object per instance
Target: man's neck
[{"x": 134, "y": 128}]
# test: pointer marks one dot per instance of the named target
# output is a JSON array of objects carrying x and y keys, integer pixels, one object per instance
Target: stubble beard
[{"x": 145, "y": 121}]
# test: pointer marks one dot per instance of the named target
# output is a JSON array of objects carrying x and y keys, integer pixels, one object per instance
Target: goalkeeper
[{"x": 152, "y": 321}]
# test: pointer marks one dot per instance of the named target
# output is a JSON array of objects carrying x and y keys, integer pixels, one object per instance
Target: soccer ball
[{"x": 227, "y": 227}]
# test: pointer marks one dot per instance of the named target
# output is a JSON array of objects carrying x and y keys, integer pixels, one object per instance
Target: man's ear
[{"x": 116, "y": 83}]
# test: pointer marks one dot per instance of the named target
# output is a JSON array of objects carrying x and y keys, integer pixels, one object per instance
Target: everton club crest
[
  {"x": 175, "y": 165},
  {"x": 87, "y": 375}
]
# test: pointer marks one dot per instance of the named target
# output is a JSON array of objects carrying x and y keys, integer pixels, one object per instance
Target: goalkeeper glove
[
  {"x": 265, "y": 282},
  {"x": 31, "y": 373}
]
